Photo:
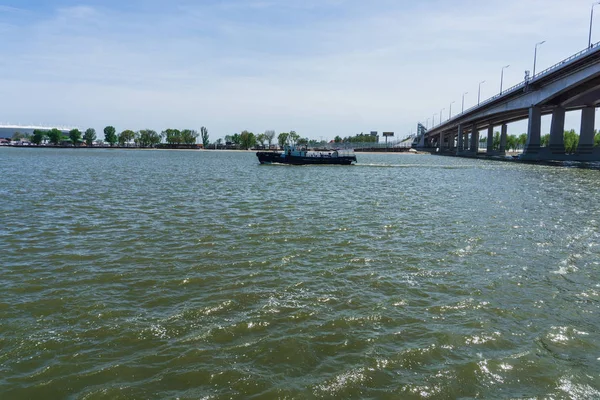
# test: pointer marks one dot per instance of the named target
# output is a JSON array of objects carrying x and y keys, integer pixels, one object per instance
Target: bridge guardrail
[{"x": 566, "y": 60}]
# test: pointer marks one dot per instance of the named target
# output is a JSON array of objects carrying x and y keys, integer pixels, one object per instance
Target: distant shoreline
[{"x": 207, "y": 150}]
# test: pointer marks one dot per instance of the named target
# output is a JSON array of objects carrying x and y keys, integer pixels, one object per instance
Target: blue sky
[{"x": 322, "y": 68}]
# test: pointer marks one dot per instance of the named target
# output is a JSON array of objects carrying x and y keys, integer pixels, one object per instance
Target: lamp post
[
  {"x": 450, "y": 112},
  {"x": 502, "y": 77},
  {"x": 591, "y": 21},
  {"x": 535, "y": 56},
  {"x": 441, "y": 111},
  {"x": 463, "y": 102},
  {"x": 479, "y": 92}
]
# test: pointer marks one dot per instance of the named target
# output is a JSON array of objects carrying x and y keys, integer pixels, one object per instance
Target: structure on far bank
[{"x": 7, "y": 131}]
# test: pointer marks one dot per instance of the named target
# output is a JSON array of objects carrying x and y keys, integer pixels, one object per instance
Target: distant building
[
  {"x": 374, "y": 134},
  {"x": 7, "y": 131}
]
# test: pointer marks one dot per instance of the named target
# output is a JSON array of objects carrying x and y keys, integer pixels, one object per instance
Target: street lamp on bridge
[
  {"x": 441, "y": 111},
  {"x": 450, "y": 112},
  {"x": 502, "y": 77},
  {"x": 591, "y": 21},
  {"x": 479, "y": 92},
  {"x": 433, "y": 121},
  {"x": 535, "y": 56},
  {"x": 463, "y": 102}
]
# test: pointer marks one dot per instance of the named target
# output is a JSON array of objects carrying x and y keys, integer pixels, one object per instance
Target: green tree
[
  {"x": 282, "y": 139},
  {"x": 228, "y": 139},
  {"x": 89, "y": 137},
  {"x": 19, "y": 136},
  {"x": 337, "y": 139},
  {"x": 511, "y": 142},
  {"x": 75, "y": 136},
  {"x": 148, "y": 138},
  {"x": 293, "y": 138},
  {"x": 172, "y": 136},
  {"x": 219, "y": 142},
  {"x": 269, "y": 136},
  {"x": 545, "y": 140},
  {"x": 38, "y": 136},
  {"x": 125, "y": 137},
  {"x": 496, "y": 141},
  {"x": 260, "y": 138},
  {"x": 247, "y": 140},
  {"x": 571, "y": 141},
  {"x": 596, "y": 138},
  {"x": 54, "y": 136},
  {"x": 204, "y": 136},
  {"x": 236, "y": 139},
  {"x": 302, "y": 142},
  {"x": 110, "y": 135},
  {"x": 189, "y": 136},
  {"x": 522, "y": 140},
  {"x": 360, "y": 138}
]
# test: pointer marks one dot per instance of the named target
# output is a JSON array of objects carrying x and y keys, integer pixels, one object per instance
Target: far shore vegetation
[
  {"x": 192, "y": 139},
  {"x": 514, "y": 143}
]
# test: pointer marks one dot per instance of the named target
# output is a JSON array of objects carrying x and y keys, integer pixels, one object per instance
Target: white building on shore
[{"x": 7, "y": 131}]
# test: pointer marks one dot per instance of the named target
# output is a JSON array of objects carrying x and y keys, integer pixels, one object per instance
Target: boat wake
[{"x": 427, "y": 166}]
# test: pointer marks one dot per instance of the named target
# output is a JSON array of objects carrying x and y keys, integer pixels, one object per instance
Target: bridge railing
[
  {"x": 525, "y": 82},
  {"x": 566, "y": 60}
]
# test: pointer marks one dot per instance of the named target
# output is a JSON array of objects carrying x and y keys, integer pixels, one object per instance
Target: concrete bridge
[{"x": 572, "y": 84}]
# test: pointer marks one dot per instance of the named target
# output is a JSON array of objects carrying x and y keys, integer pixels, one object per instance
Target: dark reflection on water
[{"x": 159, "y": 274}]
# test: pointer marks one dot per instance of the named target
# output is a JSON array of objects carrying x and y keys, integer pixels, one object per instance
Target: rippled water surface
[{"x": 176, "y": 274}]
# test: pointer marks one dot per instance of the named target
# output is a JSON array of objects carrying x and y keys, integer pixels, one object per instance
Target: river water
[{"x": 180, "y": 274}]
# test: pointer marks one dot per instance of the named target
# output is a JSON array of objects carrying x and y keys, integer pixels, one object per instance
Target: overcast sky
[{"x": 320, "y": 67}]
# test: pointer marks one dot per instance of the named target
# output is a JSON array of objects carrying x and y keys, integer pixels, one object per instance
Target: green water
[{"x": 203, "y": 275}]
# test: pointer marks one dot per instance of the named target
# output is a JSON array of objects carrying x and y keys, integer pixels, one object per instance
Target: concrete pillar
[
  {"x": 459, "y": 146},
  {"x": 441, "y": 141},
  {"x": 534, "y": 131},
  {"x": 490, "y": 139},
  {"x": 586, "y": 135},
  {"x": 503, "y": 135},
  {"x": 557, "y": 131},
  {"x": 451, "y": 141},
  {"x": 474, "y": 140}
]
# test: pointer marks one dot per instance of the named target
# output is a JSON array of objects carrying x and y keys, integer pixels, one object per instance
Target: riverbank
[{"x": 361, "y": 151}]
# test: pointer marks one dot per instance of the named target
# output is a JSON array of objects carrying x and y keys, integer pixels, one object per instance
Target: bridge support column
[
  {"x": 557, "y": 131},
  {"x": 586, "y": 135},
  {"x": 451, "y": 142},
  {"x": 503, "y": 136},
  {"x": 534, "y": 131},
  {"x": 460, "y": 134},
  {"x": 474, "y": 140},
  {"x": 490, "y": 139},
  {"x": 441, "y": 142}
]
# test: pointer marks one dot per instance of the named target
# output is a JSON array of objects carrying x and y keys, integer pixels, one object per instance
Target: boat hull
[{"x": 271, "y": 157}]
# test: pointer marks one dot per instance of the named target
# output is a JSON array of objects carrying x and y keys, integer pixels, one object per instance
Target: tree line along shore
[
  {"x": 174, "y": 138},
  {"x": 514, "y": 142},
  {"x": 189, "y": 138}
]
